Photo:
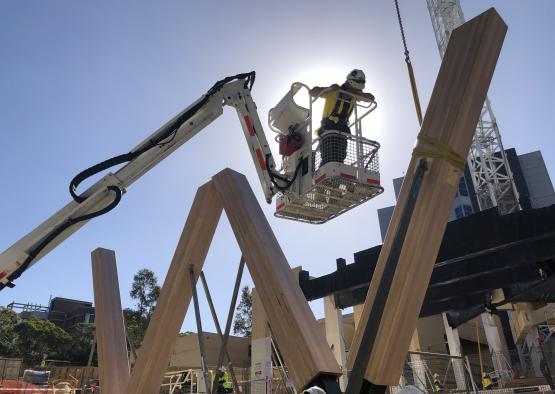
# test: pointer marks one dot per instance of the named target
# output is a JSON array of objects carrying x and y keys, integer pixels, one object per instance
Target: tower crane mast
[{"x": 489, "y": 168}]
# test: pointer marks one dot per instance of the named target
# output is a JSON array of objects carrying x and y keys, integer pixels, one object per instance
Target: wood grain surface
[
  {"x": 292, "y": 322},
  {"x": 451, "y": 118},
  {"x": 113, "y": 362},
  {"x": 176, "y": 294}
]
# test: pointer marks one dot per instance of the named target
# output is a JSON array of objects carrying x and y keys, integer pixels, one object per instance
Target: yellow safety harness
[{"x": 338, "y": 106}]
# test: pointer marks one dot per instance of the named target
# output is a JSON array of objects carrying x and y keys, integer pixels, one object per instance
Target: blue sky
[{"x": 83, "y": 81}]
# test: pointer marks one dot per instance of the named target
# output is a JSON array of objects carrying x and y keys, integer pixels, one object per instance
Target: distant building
[
  {"x": 540, "y": 188},
  {"x": 63, "y": 312},
  {"x": 67, "y": 313},
  {"x": 26, "y": 311},
  {"x": 531, "y": 179}
]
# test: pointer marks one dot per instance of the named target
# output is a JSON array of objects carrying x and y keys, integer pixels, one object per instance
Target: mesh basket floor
[{"x": 326, "y": 200}]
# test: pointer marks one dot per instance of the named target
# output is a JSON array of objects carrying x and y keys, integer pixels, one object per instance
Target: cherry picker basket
[
  {"x": 343, "y": 170},
  {"x": 339, "y": 184}
]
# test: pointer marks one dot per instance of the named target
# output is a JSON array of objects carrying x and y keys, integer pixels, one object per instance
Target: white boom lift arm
[{"x": 106, "y": 193}]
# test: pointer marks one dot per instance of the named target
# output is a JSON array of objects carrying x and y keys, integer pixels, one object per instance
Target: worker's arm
[
  {"x": 368, "y": 97},
  {"x": 317, "y": 90},
  {"x": 360, "y": 95}
]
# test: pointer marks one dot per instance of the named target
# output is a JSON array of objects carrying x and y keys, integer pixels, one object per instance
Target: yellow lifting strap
[
  {"x": 436, "y": 149},
  {"x": 414, "y": 92},
  {"x": 433, "y": 148},
  {"x": 409, "y": 67}
]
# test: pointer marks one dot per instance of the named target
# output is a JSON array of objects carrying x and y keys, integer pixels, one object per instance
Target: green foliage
[
  {"x": 82, "y": 337},
  {"x": 31, "y": 338},
  {"x": 243, "y": 315},
  {"x": 8, "y": 320},
  {"x": 35, "y": 337},
  {"x": 145, "y": 290},
  {"x": 185, "y": 334},
  {"x": 136, "y": 325}
]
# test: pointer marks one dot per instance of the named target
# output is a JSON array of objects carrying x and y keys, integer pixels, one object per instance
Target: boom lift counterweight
[{"x": 307, "y": 190}]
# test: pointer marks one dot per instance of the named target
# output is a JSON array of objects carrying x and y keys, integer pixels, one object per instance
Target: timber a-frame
[{"x": 294, "y": 326}]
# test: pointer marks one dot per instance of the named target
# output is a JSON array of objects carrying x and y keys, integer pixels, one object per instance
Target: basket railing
[{"x": 352, "y": 150}]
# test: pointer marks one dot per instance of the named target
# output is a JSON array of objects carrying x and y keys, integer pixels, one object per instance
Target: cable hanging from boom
[{"x": 409, "y": 67}]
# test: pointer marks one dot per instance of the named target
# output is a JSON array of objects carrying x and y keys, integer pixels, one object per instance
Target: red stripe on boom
[
  {"x": 348, "y": 176},
  {"x": 261, "y": 160},
  {"x": 320, "y": 179},
  {"x": 372, "y": 181},
  {"x": 250, "y": 127}
]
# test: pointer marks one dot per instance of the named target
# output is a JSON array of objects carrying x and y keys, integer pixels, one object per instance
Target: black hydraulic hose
[
  {"x": 274, "y": 176},
  {"x": 120, "y": 159},
  {"x": 127, "y": 157},
  {"x": 57, "y": 231}
]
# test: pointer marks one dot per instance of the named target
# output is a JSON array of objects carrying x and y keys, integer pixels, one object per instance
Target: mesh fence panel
[
  {"x": 11, "y": 368},
  {"x": 334, "y": 146},
  {"x": 433, "y": 371},
  {"x": 274, "y": 386}
]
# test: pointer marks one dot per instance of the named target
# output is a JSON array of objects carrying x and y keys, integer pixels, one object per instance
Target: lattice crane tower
[{"x": 490, "y": 172}]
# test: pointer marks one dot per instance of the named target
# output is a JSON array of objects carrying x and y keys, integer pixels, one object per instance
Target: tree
[
  {"x": 8, "y": 320},
  {"x": 82, "y": 336},
  {"x": 243, "y": 314},
  {"x": 36, "y": 337},
  {"x": 31, "y": 338},
  {"x": 145, "y": 290},
  {"x": 136, "y": 325}
]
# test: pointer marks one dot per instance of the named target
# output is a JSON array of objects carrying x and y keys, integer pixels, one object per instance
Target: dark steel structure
[{"x": 478, "y": 254}]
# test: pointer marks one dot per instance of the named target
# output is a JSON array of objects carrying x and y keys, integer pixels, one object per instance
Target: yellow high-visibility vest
[
  {"x": 338, "y": 106},
  {"x": 486, "y": 382},
  {"x": 224, "y": 381}
]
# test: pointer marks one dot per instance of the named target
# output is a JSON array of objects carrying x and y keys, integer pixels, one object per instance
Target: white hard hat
[
  {"x": 356, "y": 79},
  {"x": 314, "y": 390}
]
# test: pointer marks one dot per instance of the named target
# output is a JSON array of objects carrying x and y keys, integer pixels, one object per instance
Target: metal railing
[
  {"x": 265, "y": 386},
  {"x": 335, "y": 146},
  {"x": 507, "y": 371},
  {"x": 360, "y": 151},
  {"x": 429, "y": 372}
]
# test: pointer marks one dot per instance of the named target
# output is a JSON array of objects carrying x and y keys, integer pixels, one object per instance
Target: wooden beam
[
  {"x": 260, "y": 328},
  {"x": 451, "y": 118},
  {"x": 293, "y": 325},
  {"x": 335, "y": 336},
  {"x": 113, "y": 363},
  {"x": 175, "y": 295}
]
